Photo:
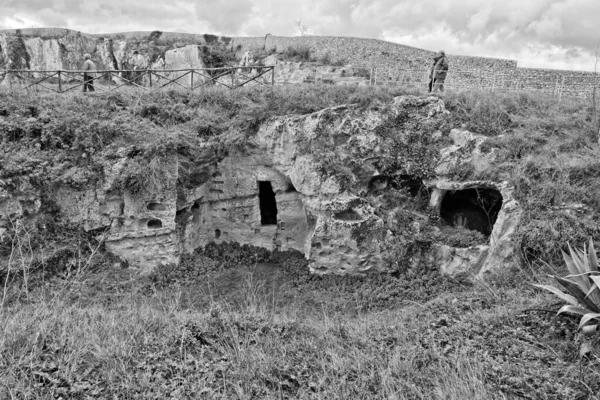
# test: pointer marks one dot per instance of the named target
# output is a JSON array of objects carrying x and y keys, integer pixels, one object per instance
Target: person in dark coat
[
  {"x": 438, "y": 72},
  {"x": 88, "y": 73}
]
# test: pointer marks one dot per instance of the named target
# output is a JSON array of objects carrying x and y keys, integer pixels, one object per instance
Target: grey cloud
[
  {"x": 503, "y": 28},
  {"x": 224, "y": 16}
]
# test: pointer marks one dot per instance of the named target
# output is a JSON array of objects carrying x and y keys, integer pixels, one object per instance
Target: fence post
[
  {"x": 374, "y": 76},
  {"x": 59, "y": 83},
  {"x": 192, "y": 80},
  {"x": 273, "y": 76},
  {"x": 150, "y": 78},
  {"x": 562, "y": 85}
]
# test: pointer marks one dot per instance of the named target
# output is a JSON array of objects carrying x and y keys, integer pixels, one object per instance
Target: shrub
[
  {"x": 216, "y": 55},
  {"x": 325, "y": 59},
  {"x": 297, "y": 53},
  {"x": 363, "y": 73},
  {"x": 582, "y": 285}
]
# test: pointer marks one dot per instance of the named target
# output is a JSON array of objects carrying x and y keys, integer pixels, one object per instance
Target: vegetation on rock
[{"x": 236, "y": 321}]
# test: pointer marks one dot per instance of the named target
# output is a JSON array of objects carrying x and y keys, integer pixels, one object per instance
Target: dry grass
[
  {"x": 240, "y": 334},
  {"x": 233, "y": 333}
]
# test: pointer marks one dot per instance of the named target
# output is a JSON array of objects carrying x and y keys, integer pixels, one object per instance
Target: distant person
[
  {"x": 438, "y": 72},
  {"x": 88, "y": 73}
]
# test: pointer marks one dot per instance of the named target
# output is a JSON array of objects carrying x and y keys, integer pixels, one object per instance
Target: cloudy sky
[{"x": 538, "y": 33}]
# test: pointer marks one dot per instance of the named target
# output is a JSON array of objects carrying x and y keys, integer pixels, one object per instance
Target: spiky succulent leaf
[
  {"x": 592, "y": 258},
  {"x": 587, "y": 318},
  {"x": 564, "y": 296},
  {"x": 594, "y": 292},
  {"x": 588, "y": 267},
  {"x": 591, "y": 291},
  {"x": 577, "y": 256},
  {"x": 573, "y": 310},
  {"x": 578, "y": 292},
  {"x": 576, "y": 270}
]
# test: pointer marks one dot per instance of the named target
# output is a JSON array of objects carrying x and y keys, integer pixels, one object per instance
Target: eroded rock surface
[
  {"x": 46, "y": 50},
  {"x": 356, "y": 190}
]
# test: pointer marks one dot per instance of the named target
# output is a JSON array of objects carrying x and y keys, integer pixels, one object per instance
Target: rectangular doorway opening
[{"x": 268, "y": 205}]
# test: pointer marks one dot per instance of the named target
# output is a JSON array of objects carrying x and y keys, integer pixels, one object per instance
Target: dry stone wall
[
  {"x": 388, "y": 58},
  {"x": 399, "y": 63}
]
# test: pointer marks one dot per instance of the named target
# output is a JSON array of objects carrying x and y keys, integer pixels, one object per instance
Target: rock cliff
[
  {"x": 356, "y": 190},
  {"x": 62, "y": 49}
]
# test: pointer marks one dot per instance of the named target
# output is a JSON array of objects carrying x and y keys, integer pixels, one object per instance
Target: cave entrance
[
  {"x": 475, "y": 209},
  {"x": 155, "y": 224},
  {"x": 268, "y": 205}
]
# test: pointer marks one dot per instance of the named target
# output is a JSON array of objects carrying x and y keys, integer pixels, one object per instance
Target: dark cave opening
[
  {"x": 268, "y": 205},
  {"x": 290, "y": 188},
  {"x": 155, "y": 224},
  {"x": 156, "y": 207},
  {"x": 475, "y": 209},
  {"x": 412, "y": 184}
]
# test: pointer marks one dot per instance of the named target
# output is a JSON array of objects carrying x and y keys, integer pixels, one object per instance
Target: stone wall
[
  {"x": 565, "y": 82},
  {"x": 396, "y": 63},
  {"x": 387, "y": 57}
]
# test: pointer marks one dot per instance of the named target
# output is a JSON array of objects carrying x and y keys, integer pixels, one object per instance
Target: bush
[
  {"x": 216, "y": 54},
  {"x": 298, "y": 53}
]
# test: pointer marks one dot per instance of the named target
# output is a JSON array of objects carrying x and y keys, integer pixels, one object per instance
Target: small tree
[{"x": 302, "y": 29}]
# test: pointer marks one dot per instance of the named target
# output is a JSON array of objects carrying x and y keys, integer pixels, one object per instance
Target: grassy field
[
  {"x": 219, "y": 328},
  {"x": 236, "y": 322}
]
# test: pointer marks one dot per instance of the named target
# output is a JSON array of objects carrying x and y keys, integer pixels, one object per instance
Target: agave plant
[{"x": 582, "y": 285}]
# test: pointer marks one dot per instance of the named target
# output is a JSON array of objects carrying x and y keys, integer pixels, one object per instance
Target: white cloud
[{"x": 548, "y": 33}]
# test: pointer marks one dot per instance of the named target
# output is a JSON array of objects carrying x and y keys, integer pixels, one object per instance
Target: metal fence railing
[{"x": 63, "y": 81}]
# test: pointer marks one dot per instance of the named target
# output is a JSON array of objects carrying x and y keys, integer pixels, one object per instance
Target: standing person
[
  {"x": 438, "y": 72},
  {"x": 88, "y": 73}
]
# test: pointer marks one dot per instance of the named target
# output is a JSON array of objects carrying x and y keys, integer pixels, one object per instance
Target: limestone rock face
[
  {"x": 3, "y": 50},
  {"x": 465, "y": 153},
  {"x": 355, "y": 190},
  {"x": 184, "y": 58},
  {"x": 228, "y": 208},
  {"x": 40, "y": 50},
  {"x": 480, "y": 259},
  {"x": 38, "y": 53}
]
